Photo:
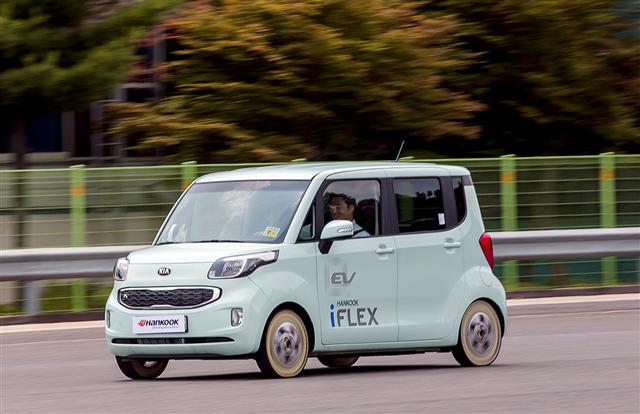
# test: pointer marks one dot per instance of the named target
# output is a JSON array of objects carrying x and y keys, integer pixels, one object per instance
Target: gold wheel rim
[
  {"x": 481, "y": 320},
  {"x": 281, "y": 327}
]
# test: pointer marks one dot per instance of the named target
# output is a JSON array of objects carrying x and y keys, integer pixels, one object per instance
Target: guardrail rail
[{"x": 34, "y": 265}]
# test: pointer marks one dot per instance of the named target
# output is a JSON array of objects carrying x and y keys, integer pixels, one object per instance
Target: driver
[{"x": 342, "y": 207}]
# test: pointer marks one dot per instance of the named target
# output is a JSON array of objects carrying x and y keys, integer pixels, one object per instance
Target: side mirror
[
  {"x": 334, "y": 230},
  {"x": 337, "y": 229}
]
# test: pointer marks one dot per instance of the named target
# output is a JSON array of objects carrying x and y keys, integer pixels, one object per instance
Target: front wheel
[
  {"x": 338, "y": 361},
  {"x": 285, "y": 346},
  {"x": 135, "y": 368},
  {"x": 480, "y": 336}
]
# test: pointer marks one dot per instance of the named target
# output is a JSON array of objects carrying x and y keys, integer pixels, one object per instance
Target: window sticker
[
  {"x": 441, "y": 219},
  {"x": 271, "y": 232}
]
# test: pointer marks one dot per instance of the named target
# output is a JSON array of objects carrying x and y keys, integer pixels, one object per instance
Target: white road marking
[
  {"x": 561, "y": 300},
  {"x": 55, "y": 341},
  {"x": 558, "y": 300},
  {"x": 546, "y": 315},
  {"x": 39, "y": 327}
]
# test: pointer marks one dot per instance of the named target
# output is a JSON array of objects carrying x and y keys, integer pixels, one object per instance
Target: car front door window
[{"x": 357, "y": 201}]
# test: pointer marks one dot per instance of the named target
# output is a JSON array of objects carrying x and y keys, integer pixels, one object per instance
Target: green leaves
[
  {"x": 63, "y": 54},
  {"x": 273, "y": 80},
  {"x": 318, "y": 79},
  {"x": 557, "y": 76}
]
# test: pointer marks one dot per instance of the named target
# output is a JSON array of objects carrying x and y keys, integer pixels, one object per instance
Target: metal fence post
[
  {"x": 608, "y": 210},
  {"x": 188, "y": 172},
  {"x": 509, "y": 206},
  {"x": 77, "y": 193},
  {"x": 33, "y": 292},
  {"x": 31, "y": 304}
]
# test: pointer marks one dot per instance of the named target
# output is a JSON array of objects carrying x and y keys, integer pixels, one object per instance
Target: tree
[
  {"x": 556, "y": 76},
  {"x": 63, "y": 54},
  {"x": 326, "y": 79}
]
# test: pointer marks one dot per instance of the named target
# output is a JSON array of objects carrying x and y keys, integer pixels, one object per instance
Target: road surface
[{"x": 561, "y": 356}]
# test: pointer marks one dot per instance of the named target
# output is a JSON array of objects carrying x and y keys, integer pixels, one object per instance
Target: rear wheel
[
  {"x": 338, "y": 361},
  {"x": 480, "y": 336},
  {"x": 285, "y": 346},
  {"x": 141, "y": 368}
]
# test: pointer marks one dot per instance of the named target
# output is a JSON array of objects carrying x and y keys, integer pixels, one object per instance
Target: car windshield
[{"x": 234, "y": 211}]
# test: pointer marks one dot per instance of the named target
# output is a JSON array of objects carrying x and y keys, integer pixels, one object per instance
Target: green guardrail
[{"x": 83, "y": 206}]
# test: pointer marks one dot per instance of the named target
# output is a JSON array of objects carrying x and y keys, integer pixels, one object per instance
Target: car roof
[{"x": 308, "y": 170}]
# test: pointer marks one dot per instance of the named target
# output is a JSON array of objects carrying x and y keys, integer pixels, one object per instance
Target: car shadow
[{"x": 316, "y": 372}]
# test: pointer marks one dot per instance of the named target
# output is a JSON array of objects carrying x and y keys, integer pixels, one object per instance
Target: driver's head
[{"x": 341, "y": 207}]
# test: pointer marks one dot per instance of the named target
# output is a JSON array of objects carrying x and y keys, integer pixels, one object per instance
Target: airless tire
[
  {"x": 285, "y": 346},
  {"x": 480, "y": 336},
  {"x": 141, "y": 368}
]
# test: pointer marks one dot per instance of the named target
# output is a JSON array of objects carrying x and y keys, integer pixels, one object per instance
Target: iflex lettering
[{"x": 353, "y": 316}]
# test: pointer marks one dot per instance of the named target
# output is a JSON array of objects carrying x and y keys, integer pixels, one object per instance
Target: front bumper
[{"x": 209, "y": 331}]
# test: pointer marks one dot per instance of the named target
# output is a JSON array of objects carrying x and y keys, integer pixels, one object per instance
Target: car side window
[
  {"x": 419, "y": 204},
  {"x": 458, "y": 192},
  {"x": 357, "y": 201},
  {"x": 308, "y": 230}
]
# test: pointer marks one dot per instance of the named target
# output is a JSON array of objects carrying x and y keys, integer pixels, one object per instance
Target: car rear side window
[
  {"x": 419, "y": 204},
  {"x": 458, "y": 192}
]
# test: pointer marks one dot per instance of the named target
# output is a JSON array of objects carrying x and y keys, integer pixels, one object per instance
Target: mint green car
[{"x": 327, "y": 260}]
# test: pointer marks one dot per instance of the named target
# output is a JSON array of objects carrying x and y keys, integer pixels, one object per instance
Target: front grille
[
  {"x": 169, "y": 341},
  {"x": 168, "y": 298}
]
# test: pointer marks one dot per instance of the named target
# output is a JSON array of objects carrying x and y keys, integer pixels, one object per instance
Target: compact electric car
[{"x": 330, "y": 260}]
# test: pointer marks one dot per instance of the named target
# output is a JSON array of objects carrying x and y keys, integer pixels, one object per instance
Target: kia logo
[{"x": 164, "y": 271}]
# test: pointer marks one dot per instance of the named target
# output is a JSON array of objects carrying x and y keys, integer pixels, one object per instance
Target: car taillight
[{"x": 487, "y": 248}]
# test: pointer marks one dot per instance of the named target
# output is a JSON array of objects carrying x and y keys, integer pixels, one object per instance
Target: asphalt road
[{"x": 579, "y": 357}]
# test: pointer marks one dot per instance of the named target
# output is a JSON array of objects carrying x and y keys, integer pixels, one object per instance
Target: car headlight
[
  {"x": 121, "y": 269},
  {"x": 237, "y": 266}
]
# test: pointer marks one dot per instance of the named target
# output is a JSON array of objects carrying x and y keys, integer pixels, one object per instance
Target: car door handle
[
  {"x": 451, "y": 245},
  {"x": 385, "y": 250}
]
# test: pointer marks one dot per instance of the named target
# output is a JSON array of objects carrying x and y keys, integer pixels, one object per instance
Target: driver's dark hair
[{"x": 350, "y": 201}]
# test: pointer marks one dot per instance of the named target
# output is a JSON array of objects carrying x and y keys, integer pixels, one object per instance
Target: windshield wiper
[
  {"x": 201, "y": 241},
  {"x": 219, "y": 241}
]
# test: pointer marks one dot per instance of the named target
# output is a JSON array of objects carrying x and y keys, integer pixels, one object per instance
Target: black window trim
[
  {"x": 464, "y": 197},
  {"x": 313, "y": 225},
  {"x": 388, "y": 208}
]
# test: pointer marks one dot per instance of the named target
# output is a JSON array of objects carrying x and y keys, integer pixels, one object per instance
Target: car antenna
[{"x": 400, "y": 151}]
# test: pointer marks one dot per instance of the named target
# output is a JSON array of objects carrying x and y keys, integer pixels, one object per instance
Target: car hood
[{"x": 194, "y": 252}]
